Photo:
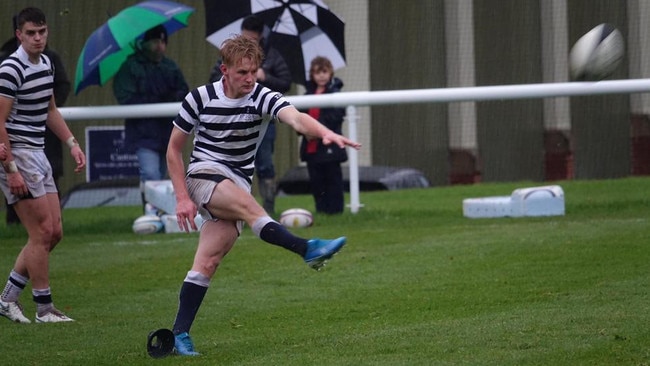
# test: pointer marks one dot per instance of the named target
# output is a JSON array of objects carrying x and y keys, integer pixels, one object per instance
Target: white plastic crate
[
  {"x": 160, "y": 193},
  {"x": 171, "y": 223},
  {"x": 533, "y": 201}
]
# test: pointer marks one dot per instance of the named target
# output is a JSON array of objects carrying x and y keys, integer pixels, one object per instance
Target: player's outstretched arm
[{"x": 306, "y": 125}]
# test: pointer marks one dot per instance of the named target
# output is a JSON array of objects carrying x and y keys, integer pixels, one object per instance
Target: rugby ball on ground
[
  {"x": 597, "y": 54},
  {"x": 296, "y": 217},
  {"x": 147, "y": 224}
]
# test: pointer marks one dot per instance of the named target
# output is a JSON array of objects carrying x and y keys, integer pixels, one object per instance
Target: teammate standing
[{"x": 26, "y": 107}]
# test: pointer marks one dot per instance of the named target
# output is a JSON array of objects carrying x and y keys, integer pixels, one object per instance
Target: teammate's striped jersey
[
  {"x": 31, "y": 88},
  {"x": 228, "y": 131}
]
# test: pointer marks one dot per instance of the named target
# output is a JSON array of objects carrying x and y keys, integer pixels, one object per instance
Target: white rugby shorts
[
  {"x": 201, "y": 189},
  {"x": 36, "y": 171}
]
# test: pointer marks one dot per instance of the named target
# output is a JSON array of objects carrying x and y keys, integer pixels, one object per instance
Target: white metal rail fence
[{"x": 368, "y": 98}]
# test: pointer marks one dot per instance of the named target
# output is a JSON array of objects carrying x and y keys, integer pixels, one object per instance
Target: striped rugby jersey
[
  {"x": 228, "y": 131},
  {"x": 31, "y": 88}
]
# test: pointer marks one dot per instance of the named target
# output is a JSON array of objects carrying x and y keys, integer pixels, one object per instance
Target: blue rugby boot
[
  {"x": 319, "y": 251},
  {"x": 184, "y": 346}
]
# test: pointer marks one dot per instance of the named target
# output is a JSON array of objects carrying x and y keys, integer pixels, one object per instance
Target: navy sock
[
  {"x": 190, "y": 299},
  {"x": 277, "y": 234}
]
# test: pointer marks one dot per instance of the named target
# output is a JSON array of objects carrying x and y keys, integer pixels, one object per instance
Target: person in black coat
[{"x": 324, "y": 161}]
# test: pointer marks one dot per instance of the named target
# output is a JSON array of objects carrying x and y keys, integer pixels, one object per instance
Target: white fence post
[{"x": 353, "y": 159}]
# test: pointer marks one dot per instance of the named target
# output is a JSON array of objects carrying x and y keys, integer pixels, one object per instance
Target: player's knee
[
  {"x": 44, "y": 235},
  {"x": 55, "y": 238}
]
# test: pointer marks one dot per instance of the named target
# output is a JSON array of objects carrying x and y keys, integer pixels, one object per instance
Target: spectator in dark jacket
[
  {"x": 275, "y": 75},
  {"x": 148, "y": 76},
  {"x": 324, "y": 161}
]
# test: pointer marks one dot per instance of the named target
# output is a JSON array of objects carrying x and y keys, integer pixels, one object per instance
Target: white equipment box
[
  {"x": 533, "y": 201},
  {"x": 160, "y": 193}
]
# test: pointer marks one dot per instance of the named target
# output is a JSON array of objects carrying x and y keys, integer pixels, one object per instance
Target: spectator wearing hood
[{"x": 149, "y": 76}]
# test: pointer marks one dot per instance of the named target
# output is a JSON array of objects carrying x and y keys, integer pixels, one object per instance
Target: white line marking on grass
[{"x": 145, "y": 242}]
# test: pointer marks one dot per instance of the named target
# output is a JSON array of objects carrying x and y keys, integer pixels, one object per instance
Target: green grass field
[{"x": 417, "y": 284}]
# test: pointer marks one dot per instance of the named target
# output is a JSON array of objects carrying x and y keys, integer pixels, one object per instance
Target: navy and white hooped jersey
[
  {"x": 228, "y": 131},
  {"x": 31, "y": 87}
]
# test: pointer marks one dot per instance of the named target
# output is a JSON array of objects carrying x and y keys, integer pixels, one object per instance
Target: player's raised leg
[{"x": 232, "y": 202}]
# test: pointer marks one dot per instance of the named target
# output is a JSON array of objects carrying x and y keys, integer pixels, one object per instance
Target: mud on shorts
[
  {"x": 200, "y": 186},
  {"x": 36, "y": 171}
]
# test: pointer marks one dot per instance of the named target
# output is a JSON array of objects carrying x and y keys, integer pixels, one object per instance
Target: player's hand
[
  {"x": 341, "y": 141},
  {"x": 17, "y": 185},
  {"x": 79, "y": 158},
  {"x": 185, "y": 214}
]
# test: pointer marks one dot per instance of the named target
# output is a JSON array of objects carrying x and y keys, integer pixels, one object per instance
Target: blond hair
[{"x": 235, "y": 49}]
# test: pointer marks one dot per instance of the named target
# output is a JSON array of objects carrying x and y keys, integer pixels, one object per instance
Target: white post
[
  {"x": 555, "y": 51},
  {"x": 353, "y": 159},
  {"x": 459, "y": 34},
  {"x": 638, "y": 51}
]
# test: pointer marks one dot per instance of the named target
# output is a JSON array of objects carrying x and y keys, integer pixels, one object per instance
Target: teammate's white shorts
[{"x": 36, "y": 171}]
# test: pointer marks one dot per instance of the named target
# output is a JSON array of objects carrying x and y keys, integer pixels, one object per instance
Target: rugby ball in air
[
  {"x": 296, "y": 217},
  {"x": 148, "y": 224},
  {"x": 597, "y": 54}
]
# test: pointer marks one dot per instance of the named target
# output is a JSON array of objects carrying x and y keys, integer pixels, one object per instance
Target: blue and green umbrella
[{"x": 109, "y": 45}]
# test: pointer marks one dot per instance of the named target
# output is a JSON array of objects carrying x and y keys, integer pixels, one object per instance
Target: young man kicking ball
[{"x": 228, "y": 119}]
